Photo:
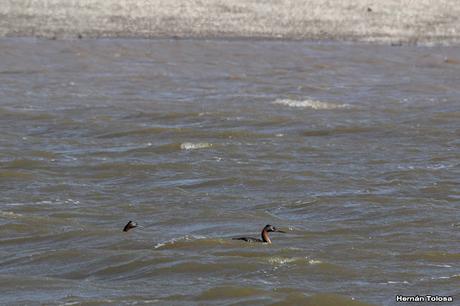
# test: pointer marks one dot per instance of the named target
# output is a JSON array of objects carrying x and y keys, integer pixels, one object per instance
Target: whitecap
[
  {"x": 313, "y": 104},
  {"x": 286, "y": 260},
  {"x": 440, "y": 266},
  {"x": 281, "y": 260},
  {"x": 446, "y": 277},
  {"x": 174, "y": 240},
  {"x": 9, "y": 214},
  {"x": 194, "y": 146}
]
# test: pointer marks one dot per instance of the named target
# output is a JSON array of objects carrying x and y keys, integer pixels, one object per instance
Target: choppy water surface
[{"x": 352, "y": 149}]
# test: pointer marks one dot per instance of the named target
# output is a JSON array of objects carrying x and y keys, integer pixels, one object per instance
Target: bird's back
[{"x": 248, "y": 239}]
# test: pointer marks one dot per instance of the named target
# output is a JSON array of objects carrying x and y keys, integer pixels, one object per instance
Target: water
[{"x": 352, "y": 149}]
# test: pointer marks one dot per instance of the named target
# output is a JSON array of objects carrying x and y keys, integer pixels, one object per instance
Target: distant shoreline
[{"x": 387, "y": 21}]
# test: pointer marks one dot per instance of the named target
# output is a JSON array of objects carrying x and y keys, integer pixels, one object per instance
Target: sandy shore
[{"x": 395, "y": 21}]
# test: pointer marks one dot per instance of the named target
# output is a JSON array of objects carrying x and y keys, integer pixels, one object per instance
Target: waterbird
[
  {"x": 130, "y": 225},
  {"x": 265, "y": 238}
]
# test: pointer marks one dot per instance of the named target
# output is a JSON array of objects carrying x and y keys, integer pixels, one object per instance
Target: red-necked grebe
[
  {"x": 130, "y": 225},
  {"x": 265, "y": 238}
]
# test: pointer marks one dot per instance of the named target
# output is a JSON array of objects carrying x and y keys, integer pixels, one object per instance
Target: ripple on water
[
  {"x": 356, "y": 151},
  {"x": 324, "y": 299},
  {"x": 230, "y": 292},
  {"x": 189, "y": 241},
  {"x": 433, "y": 256}
]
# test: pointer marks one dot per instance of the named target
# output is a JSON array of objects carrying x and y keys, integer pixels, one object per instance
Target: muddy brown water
[{"x": 352, "y": 149}]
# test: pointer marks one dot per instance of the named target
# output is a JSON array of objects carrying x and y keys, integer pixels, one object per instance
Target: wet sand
[{"x": 390, "y": 21}]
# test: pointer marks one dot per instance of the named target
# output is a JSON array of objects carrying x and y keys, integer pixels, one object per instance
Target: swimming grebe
[
  {"x": 265, "y": 238},
  {"x": 130, "y": 225}
]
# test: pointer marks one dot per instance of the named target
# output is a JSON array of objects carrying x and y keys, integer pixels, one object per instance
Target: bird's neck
[{"x": 265, "y": 237}]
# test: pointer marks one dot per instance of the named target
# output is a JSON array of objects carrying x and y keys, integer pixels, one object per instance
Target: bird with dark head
[
  {"x": 130, "y": 225},
  {"x": 265, "y": 238}
]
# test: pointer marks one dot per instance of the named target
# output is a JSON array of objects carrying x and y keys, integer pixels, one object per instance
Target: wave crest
[
  {"x": 313, "y": 104},
  {"x": 194, "y": 146}
]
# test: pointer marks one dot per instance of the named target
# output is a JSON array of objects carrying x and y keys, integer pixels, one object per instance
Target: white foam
[
  {"x": 174, "y": 240},
  {"x": 281, "y": 260},
  {"x": 194, "y": 146},
  {"x": 286, "y": 260},
  {"x": 72, "y": 201},
  {"x": 9, "y": 214},
  {"x": 170, "y": 241},
  {"x": 309, "y": 103},
  {"x": 446, "y": 277},
  {"x": 440, "y": 266},
  {"x": 397, "y": 282}
]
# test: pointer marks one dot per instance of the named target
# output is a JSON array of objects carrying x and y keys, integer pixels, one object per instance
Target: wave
[
  {"x": 313, "y": 104},
  {"x": 184, "y": 241},
  {"x": 454, "y": 276},
  {"x": 277, "y": 260},
  {"x": 9, "y": 214},
  {"x": 194, "y": 146},
  {"x": 230, "y": 292}
]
